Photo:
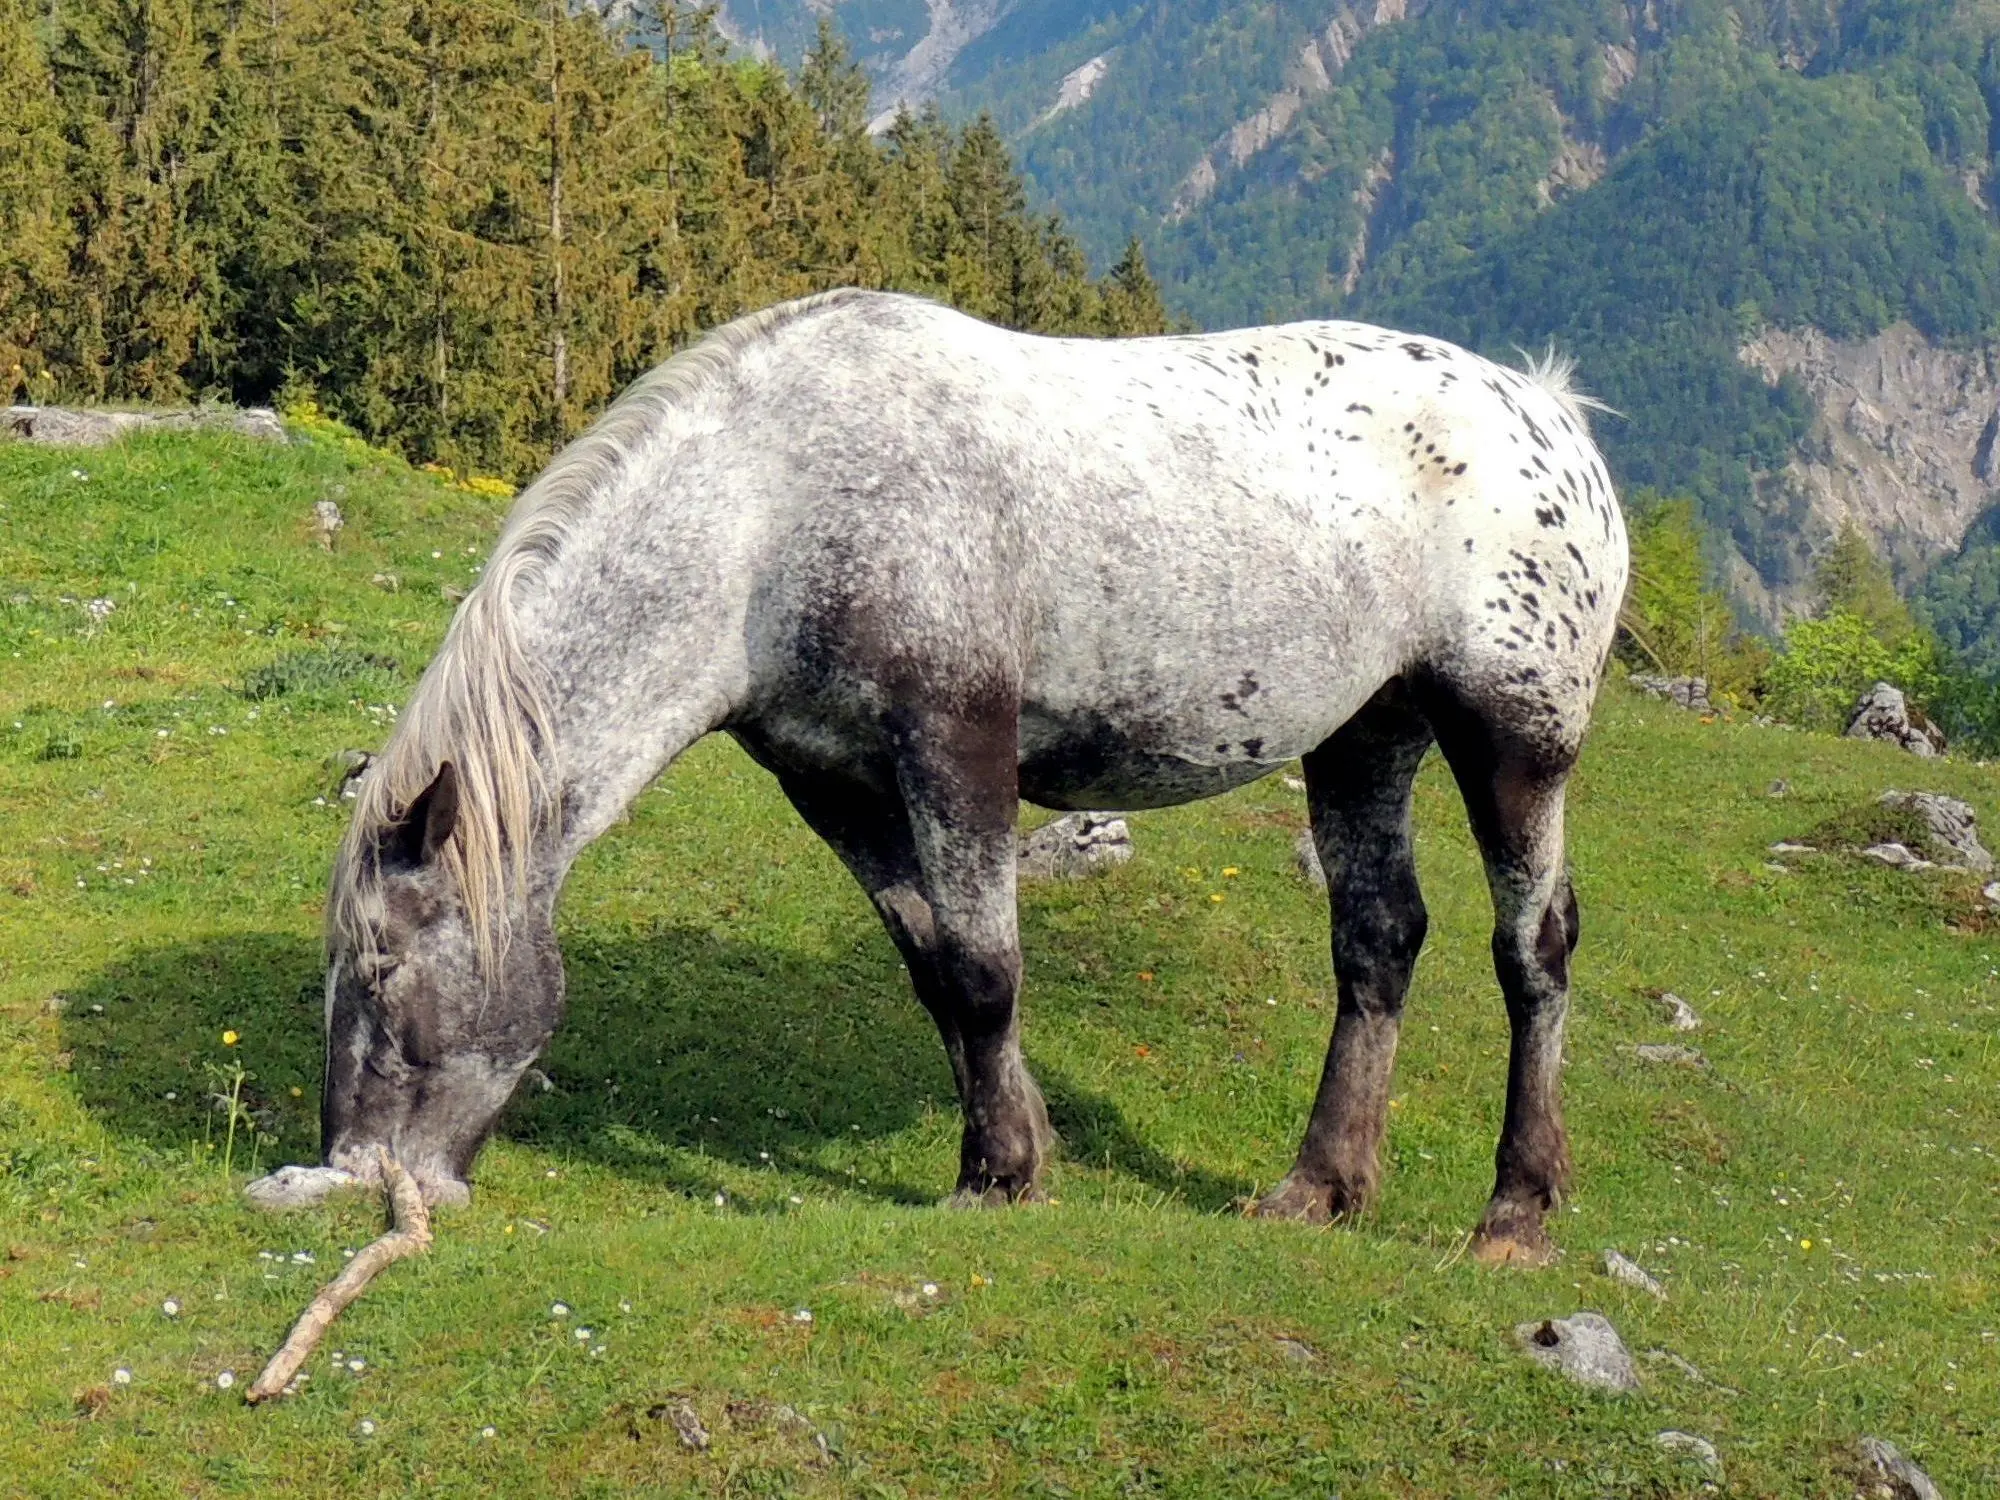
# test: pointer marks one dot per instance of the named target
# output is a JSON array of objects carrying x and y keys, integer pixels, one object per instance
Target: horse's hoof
[
  {"x": 1528, "y": 1248},
  {"x": 1295, "y": 1199},
  {"x": 993, "y": 1195}
]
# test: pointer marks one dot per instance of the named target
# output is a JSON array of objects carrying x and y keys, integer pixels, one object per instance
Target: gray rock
[
  {"x": 329, "y": 520},
  {"x": 1075, "y": 845},
  {"x": 1298, "y": 1353},
  {"x": 1953, "y": 824},
  {"x": 1992, "y": 893},
  {"x": 686, "y": 1420},
  {"x": 1785, "y": 847},
  {"x": 1680, "y": 1015},
  {"x": 1779, "y": 788},
  {"x": 1305, "y": 858},
  {"x": 1689, "y": 692},
  {"x": 1893, "y": 1476},
  {"x": 1670, "y": 1054},
  {"x": 89, "y": 427},
  {"x": 1885, "y": 714},
  {"x": 1700, "y": 1449},
  {"x": 299, "y": 1187},
  {"x": 1897, "y": 856},
  {"x": 345, "y": 768},
  {"x": 1627, "y": 1272},
  {"x": 1585, "y": 1347}
]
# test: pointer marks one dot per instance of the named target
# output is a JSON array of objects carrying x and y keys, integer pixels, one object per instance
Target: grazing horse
[{"x": 922, "y": 568}]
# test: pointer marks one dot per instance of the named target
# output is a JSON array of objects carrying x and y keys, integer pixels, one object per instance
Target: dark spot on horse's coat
[
  {"x": 1546, "y": 516},
  {"x": 1358, "y": 406},
  {"x": 1468, "y": 544},
  {"x": 1461, "y": 467},
  {"x": 1536, "y": 459},
  {"x": 1250, "y": 358},
  {"x": 1418, "y": 352}
]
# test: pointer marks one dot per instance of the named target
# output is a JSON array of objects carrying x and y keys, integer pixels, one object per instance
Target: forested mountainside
[
  {"x": 1656, "y": 186},
  {"x": 461, "y": 226}
]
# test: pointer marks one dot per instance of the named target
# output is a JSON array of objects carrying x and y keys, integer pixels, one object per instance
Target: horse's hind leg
[
  {"x": 1513, "y": 785},
  {"x": 1358, "y": 788},
  {"x": 937, "y": 857}
]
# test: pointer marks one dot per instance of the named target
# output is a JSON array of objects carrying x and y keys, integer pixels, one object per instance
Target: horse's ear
[{"x": 427, "y": 825}]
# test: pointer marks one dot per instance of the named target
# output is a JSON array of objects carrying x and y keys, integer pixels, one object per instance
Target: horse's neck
[{"x": 631, "y": 668}]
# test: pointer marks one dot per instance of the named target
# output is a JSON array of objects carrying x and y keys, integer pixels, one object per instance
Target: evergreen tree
[
  {"x": 1850, "y": 579},
  {"x": 32, "y": 204},
  {"x": 1132, "y": 302}
]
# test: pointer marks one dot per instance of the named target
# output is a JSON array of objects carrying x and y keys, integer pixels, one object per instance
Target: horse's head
[{"x": 423, "y": 1044}]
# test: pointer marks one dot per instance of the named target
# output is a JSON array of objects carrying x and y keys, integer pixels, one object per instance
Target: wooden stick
[{"x": 411, "y": 1236}]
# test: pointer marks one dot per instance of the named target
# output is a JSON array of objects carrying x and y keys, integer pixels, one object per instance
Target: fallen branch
[{"x": 410, "y": 1236}]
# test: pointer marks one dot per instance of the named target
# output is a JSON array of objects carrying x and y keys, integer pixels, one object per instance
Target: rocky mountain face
[{"x": 1904, "y": 445}]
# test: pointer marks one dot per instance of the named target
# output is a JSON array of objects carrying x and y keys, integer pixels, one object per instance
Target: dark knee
[{"x": 1374, "y": 954}]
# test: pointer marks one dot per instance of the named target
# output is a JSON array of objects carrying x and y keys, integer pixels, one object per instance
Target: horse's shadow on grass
[{"x": 681, "y": 1049}]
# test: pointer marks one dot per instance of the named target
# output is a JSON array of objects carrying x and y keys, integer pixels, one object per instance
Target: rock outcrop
[
  {"x": 1885, "y": 714},
  {"x": 90, "y": 427},
  {"x": 1905, "y": 445},
  {"x": 1075, "y": 845},
  {"x": 1953, "y": 824},
  {"x": 1311, "y": 72},
  {"x": 1688, "y": 692}
]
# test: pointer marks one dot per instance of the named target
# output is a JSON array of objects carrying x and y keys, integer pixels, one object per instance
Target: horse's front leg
[
  {"x": 957, "y": 773},
  {"x": 937, "y": 857},
  {"x": 1358, "y": 786}
]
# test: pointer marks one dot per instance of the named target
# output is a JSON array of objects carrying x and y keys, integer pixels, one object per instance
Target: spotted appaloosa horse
[{"x": 922, "y": 568}]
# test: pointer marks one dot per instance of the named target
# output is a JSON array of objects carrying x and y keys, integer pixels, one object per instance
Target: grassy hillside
[{"x": 1821, "y": 1200}]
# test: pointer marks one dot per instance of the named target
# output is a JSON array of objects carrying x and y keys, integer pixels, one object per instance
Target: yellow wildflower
[{"x": 229, "y": 1039}]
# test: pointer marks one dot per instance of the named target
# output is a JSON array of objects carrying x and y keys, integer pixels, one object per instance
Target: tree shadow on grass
[{"x": 681, "y": 1048}]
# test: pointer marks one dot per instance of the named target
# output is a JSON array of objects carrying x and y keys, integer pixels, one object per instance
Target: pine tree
[
  {"x": 32, "y": 203},
  {"x": 1850, "y": 579},
  {"x": 1131, "y": 298}
]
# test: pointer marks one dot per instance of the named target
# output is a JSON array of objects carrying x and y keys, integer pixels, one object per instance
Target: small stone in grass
[
  {"x": 1894, "y": 1477},
  {"x": 1679, "y": 1014},
  {"x": 1297, "y": 1352},
  {"x": 1584, "y": 1347},
  {"x": 1669, "y": 1053},
  {"x": 121, "y": 1376},
  {"x": 802, "y": 1315},
  {"x": 1700, "y": 1449},
  {"x": 687, "y": 1422},
  {"x": 1628, "y": 1272}
]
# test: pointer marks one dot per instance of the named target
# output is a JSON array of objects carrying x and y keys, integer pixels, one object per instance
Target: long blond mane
[{"x": 482, "y": 703}]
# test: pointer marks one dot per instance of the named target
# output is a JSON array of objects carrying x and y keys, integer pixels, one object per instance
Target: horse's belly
[{"x": 1077, "y": 758}]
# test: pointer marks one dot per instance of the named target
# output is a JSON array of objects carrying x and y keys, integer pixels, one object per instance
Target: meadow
[{"x": 718, "y": 1207}]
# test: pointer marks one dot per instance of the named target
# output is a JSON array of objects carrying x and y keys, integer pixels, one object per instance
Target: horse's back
[{"x": 1191, "y": 559}]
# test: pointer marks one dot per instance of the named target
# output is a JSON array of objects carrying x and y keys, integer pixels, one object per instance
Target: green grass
[{"x": 738, "y": 1026}]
